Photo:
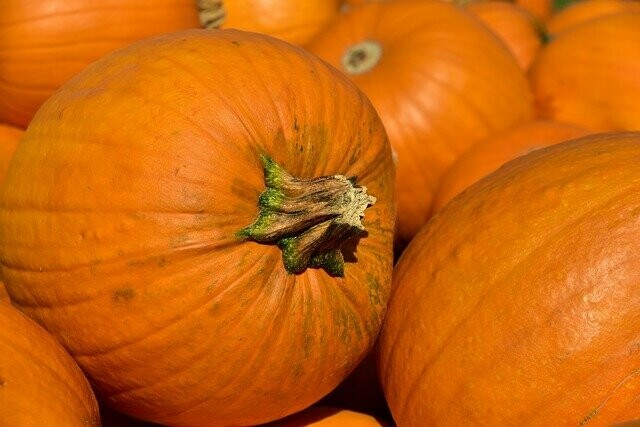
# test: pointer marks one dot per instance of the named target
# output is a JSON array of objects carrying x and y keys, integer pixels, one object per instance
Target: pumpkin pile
[{"x": 329, "y": 212}]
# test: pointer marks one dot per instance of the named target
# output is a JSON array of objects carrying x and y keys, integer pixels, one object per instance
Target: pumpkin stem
[
  {"x": 211, "y": 13},
  {"x": 309, "y": 219},
  {"x": 362, "y": 57}
]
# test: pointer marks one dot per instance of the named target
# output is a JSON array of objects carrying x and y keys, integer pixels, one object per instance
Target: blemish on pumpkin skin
[
  {"x": 235, "y": 43},
  {"x": 162, "y": 262},
  {"x": 123, "y": 294},
  {"x": 2, "y": 382}
]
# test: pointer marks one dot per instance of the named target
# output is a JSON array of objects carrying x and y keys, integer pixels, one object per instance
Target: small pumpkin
[
  {"x": 324, "y": 416},
  {"x": 40, "y": 384},
  {"x": 514, "y": 25},
  {"x": 519, "y": 300},
  {"x": 45, "y": 43},
  {"x": 294, "y": 21},
  {"x": 600, "y": 94},
  {"x": 440, "y": 80},
  {"x": 488, "y": 155},
  {"x": 586, "y": 10},
  {"x": 197, "y": 240}
]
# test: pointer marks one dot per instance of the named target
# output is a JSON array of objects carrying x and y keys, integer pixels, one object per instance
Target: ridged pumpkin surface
[
  {"x": 40, "y": 384},
  {"x": 120, "y": 217},
  {"x": 589, "y": 74},
  {"x": 518, "y": 303},
  {"x": 45, "y": 43},
  {"x": 441, "y": 83},
  {"x": 488, "y": 155},
  {"x": 583, "y": 11}
]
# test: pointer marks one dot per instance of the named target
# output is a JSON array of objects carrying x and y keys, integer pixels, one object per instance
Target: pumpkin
[
  {"x": 586, "y": 10},
  {"x": 45, "y": 43},
  {"x": 291, "y": 20},
  {"x": 324, "y": 416},
  {"x": 518, "y": 302},
  {"x": 196, "y": 240},
  {"x": 514, "y": 25},
  {"x": 602, "y": 92},
  {"x": 40, "y": 384},
  {"x": 541, "y": 9},
  {"x": 440, "y": 80},
  {"x": 488, "y": 155}
]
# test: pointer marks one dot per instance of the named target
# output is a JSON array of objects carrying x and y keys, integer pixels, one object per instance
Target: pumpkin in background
[
  {"x": 440, "y": 80},
  {"x": 589, "y": 74},
  {"x": 142, "y": 235},
  {"x": 587, "y": 10},
  {"x": 514, "y": 25},
  {"x": 294, "y": 21},
  {"x": 45, "y": 43},
  {"x": 519, "y": 301},
  {"x": 324, "y": 416},
  {"x": 40, "y": 384},
  {"x": 488, "y": 155},
  {"x": 541, "y": 9}
]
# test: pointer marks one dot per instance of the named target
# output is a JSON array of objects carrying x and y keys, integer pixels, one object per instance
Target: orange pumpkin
[
  {"x": 142, "y": 235},
  {"x": 323, "y": 416},
  {"x": 600, "y": 93},
  {"x": 45, "y": 43},
  {"x": 40, "y": 384},
  {"x": 586, "y": 10},
  {"x": 514, "y": 25},
  {"x": 291, "y": 20},
  {"x": 488, "y": 155},
  {"x": 523, "y": 296},
  {"x": 440, "y": 80},
  {"x": 541, "y": 9}
]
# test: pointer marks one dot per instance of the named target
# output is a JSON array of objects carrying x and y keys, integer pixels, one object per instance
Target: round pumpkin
[
  {"x": 514, "y": 25},
  {"x": 518, "y": 302},
  {"x": 440, "y": 80},
  {"x": 602, "y": 92},
  {"x": 324, "y": 416},
  {"x": 294, "y": 21},
  {"x": 488, "y": 155},
  {"x": 186, "y": 216},
  {"x": 45, "y": 43},
  {"x": 586, "y": 10},
  {"x": 40, "y": 384},
  {"x": 541, "y": 9}
]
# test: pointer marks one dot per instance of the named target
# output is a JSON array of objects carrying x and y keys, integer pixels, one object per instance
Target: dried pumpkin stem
[
  {"x": 309, "y": 219},
  {"x": 362, "y": 57},
  {"x": 211, "y": 13}
]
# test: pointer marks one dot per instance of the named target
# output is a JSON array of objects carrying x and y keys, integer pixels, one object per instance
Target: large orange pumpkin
[
  {"x": 440, "y": 80},
  {"x": 541, "y": 9},
  {"x": 136, "y": 226},
  {"x": 589, "y": 74},
  {"x": 518, "y": 303},
  {"x": 516, "y": 27},
  {"x": 324, "y": 416},
  {"x": 587, "y": 10},
  {"x": 294, "y": 21},
  {"x": 44, "y": 43},
  {"x": 40, "y": 384},
  {"x": 488, "y": 155}
]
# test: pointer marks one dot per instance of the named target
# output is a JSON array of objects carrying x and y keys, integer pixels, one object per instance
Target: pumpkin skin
[
  {"x": 43, "y": 44},
  {"x": 514, "y": 25},
  {"x": 541, "y": 9},
  {"x": 40, "y": 384},
  {"x": 523, "y": 294},
  {"x": 323, "y": 416},
  {"x": 602, "y": 92},
  {"x": 294, "y": 21},
  {"x": 442, "y": 83},
  {"x": 586, "y": 10},
  {"x": 488, "y": 155},
  {"x": 175, "y": 318}
]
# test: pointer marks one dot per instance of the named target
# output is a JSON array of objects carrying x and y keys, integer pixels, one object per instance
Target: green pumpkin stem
[{"x": 309, "y": 219}]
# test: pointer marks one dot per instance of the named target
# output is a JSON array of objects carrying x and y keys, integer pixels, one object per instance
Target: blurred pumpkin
[
  {"x": 143, "y": 237},
  {"x": 488, "y": 155},
  {"x": 40, "y": 384},
  {"x": 518, "y": 302},
  {"x": 45, "y": 43},
  {"x": 440, "y": 80},
  {"x": 586, "y": 10},
  {"x": 323, "y": 416}
]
